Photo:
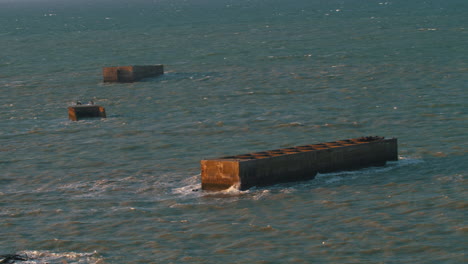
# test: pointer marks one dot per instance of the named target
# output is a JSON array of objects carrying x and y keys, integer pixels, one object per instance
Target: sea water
[{"x": 240, "y": 76}]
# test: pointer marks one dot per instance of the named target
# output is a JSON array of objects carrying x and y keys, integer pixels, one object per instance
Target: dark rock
[{"x": 11, "y": 258}]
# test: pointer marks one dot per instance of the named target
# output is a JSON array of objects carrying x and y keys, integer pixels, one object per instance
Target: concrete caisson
[
  {"x": 131, "y": 73},
  {"x": 78, "y": 112},
  {"x": 296, "y": 163}
]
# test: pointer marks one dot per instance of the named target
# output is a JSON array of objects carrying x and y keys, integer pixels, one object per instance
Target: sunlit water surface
[{"x": 241, "y": 76}]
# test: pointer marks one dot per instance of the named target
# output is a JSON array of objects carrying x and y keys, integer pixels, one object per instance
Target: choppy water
[{"x": 241, "y": 76}]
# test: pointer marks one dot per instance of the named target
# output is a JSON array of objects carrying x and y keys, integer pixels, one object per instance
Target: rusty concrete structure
[
  {"x": 78, "y": 112},
  {"x": 134, "y": 73},
  {"x": 296, "y": 163}
]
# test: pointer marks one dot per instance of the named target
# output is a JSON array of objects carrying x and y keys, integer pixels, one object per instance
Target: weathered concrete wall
[
  {"x": 141, "y": 72},
  {"x": 78, "y": 112},
  {"x": 131, "y": 73},
  {"x": 220, "y": 175},
  {"x": 296, "y": 163}
]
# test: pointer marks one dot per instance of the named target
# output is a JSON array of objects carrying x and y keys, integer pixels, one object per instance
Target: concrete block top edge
[
  {"x": 85, "y": 106},
  {"x": 134, "y": 65},
  {"x": 303, "y": 148}
]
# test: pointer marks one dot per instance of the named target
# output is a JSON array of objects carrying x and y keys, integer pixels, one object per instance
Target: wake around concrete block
[
  {"x": 296, "y": 163},
  {"x": 135, "y": 73}
]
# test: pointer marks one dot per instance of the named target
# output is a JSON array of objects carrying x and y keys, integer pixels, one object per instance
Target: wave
[
  {"x": 193, "y": 190},
  {"x": 41, "y": 257}
]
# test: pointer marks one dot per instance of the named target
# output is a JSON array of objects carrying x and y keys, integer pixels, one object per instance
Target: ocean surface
[{"x": 240, "y": 76}]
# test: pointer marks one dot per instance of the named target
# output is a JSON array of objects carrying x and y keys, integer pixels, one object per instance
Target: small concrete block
[
  {"x": 131, "y": 73},
  {"x": 78, "y": 112}
]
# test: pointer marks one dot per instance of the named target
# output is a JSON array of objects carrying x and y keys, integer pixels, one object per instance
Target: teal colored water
[{"x": 241, "y": 76}]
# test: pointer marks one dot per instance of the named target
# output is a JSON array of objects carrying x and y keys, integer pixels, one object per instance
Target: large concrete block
[
  {"x": 131, "y": 73},
  {"x": 78, "y": 112},
  {"x": 296, "y": 163}
]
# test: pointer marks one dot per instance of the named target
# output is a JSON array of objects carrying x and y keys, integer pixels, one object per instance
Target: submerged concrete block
[
  {"x": 78, "y": 112},
  {"x": 131, "y": 73},
  {"x": 296, "y": 163}
]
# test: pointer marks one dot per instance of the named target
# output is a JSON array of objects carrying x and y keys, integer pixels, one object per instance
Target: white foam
[
  {"x": 403, "y": 161},
  {"x": 261, "y": 194},
  {"x": 234, "y": 189},
  {"x": 231, "y": 192},
  {"x": 192, "y": 186},
  {"x": 193, "y": 189},
  {"x": 40, "y": 257}
]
